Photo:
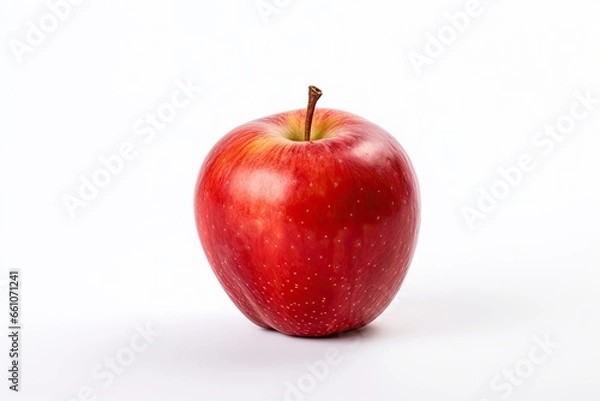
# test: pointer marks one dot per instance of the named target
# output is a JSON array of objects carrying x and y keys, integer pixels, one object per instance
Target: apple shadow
[
  {"x": 229, "y": 357},
  {"x": 433, "y": 314},
  {"x": 234, "y": 342}
]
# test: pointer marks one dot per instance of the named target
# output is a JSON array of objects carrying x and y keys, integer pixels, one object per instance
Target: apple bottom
[{"x": 313, "y": 283}]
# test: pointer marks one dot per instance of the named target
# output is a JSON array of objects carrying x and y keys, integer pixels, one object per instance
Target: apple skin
[{"x": 309, "y": 238}]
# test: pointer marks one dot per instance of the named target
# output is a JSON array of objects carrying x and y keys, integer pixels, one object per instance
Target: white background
[{"x": 474, "y": 299}]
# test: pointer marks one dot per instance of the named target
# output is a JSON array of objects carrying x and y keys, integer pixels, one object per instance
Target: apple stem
[{"x": 314, "y": 94}]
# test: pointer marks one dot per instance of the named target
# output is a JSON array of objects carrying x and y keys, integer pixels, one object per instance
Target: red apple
[{"x": 309, "y": 219}]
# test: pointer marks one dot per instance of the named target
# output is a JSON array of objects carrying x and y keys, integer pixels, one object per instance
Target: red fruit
[{"x": 308, "y": 237}]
